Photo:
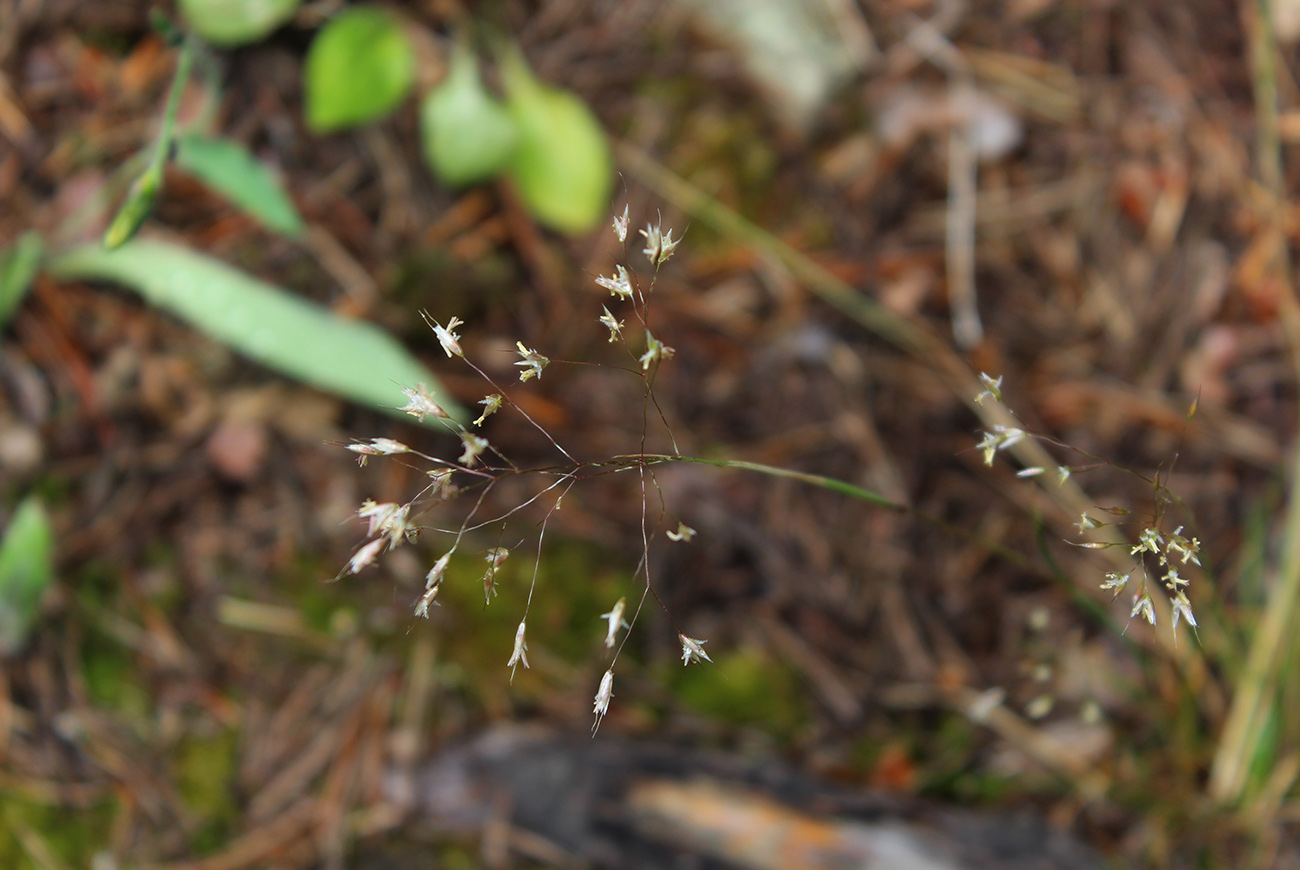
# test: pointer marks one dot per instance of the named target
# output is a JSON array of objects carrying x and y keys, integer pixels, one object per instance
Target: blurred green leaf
[
  {"x": 226, "y": 166},
  {"x": 468, "y": 135},
  {"x": 26, "y": 569},
  {"x": 144, "y": 191},
  {"x": 359, "y": 67},
  {"x": 351, "y": 358},
  {"x": 562, "y": 168},
  {"x": 135, "y": 209},
  {"x": 236, "y": 22},
  {"x": 18, "y": 266}
]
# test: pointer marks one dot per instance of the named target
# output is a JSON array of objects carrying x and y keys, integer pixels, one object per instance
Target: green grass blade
[
  {"x": 18, "y": 267},
  {"x": 833, "y": 484},
  {"x": 144, "y": 191},
  {"x": 863, "y": 494},
  {"x": 26, "y": 569},
  {"x": 350, "y": 358}
]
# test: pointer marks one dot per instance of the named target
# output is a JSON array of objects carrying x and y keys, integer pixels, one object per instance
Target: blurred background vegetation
[{"x": 879, "y": 199}]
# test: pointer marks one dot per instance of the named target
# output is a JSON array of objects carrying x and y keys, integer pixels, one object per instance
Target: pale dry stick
[
  {"x": 256, "y": 847},
  {"x": 1253, "y": 702},
  {"x": 1041, "y": 745},
  {"x": 36, "y": 847},
  {"x": 13, "y": 121},
  {"x": 988, "y": 708},
  {"x": 1002, "y": 213},
  {"x": 335, "y": 259},
  {"x": 853, "y": 28},
  {"x": 1038, "y": 86},
  {"x": 409, "y": 735},
  {"x": 243, "y": 615},
  {"x": 903, "y": 56},
  {"x": 959, "y": 245},
  {"x": 959, "y": 234}
]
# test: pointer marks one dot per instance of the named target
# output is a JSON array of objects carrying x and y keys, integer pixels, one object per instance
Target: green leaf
[
  {"x": 467, "y": 134},
  {"x": 562, "y": 168},
  {"x": 144, "y": 191},
  {"x": 351, "y": 358},
  {"x": 226, "y": 166},
  {"x": 359, "y": 67},
  {"x": 18, "y": 267},
  {"x": 236, "y": 22},
  {"x": 26, "y": 569},
  {"x": 136, "y": 208}
]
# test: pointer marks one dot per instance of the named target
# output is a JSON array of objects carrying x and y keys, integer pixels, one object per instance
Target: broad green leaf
[
  {"x": 351, "y": 358},
  {"x": 562, "y": 168},
  {"x": 18, "y": 267},
  {"x": 468, "y": 135},
  {"x": 26, "y": 569},
  {"x": 359, "y": 67},
  {"x": 236, "y": 22},
  {"x": 226, "y": 166}
]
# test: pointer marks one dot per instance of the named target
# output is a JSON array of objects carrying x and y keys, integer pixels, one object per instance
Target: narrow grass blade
[
  {"x": 26, "y": 569},
  {"x": 145, "y": 190},
  {"x": 351, "y": 358},
  {"x": 1248, "y": 732},
  {"x": 18, "y": 267},
  {"x": 833, "y": 484},
  {"x": 863, "y": 494}
]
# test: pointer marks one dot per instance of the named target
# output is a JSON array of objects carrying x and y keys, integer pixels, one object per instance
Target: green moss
[
  {"x": 205, "y": 772},
  {"x": 52, "y": 489},
  {"x": 455, "y": 857},
  {"x": 73, "y": 835},
  {"x": 113, "y": 678},
  {"x": 976, "y": 787},
  {"x": 319, "y": 601},
  {"x": 950, "y": 771},
  {"x": 726, "y": 151},
  {"x": 320, "y": 605},
  {"x": 96, "y": 586},
  {"x": 746, "y": 687}
]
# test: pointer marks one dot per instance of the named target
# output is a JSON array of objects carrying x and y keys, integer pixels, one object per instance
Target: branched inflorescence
[
  {"x": 480, "y": 466},
  {"x": 1158, "y": 557}
]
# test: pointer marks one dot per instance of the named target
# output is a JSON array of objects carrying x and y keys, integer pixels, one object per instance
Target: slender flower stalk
[
  {"x": 1152, "y": 554},
  {"x": 390, "y": 524}
]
